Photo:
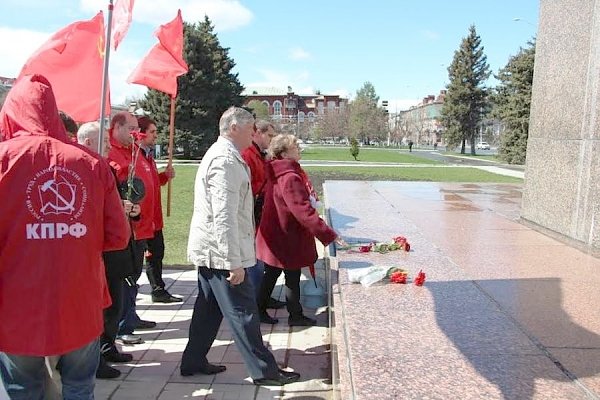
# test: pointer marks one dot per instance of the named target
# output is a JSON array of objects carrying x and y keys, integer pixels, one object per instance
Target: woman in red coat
[{"x": 288, "y": 227}]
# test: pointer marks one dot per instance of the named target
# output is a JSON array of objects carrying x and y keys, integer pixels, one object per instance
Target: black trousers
[
  {"x": 292, "y": 289},
  {"x": 217, "y": 298},
  {"x": 154, "y": 263},
  {"x": 112, "y": 314}
]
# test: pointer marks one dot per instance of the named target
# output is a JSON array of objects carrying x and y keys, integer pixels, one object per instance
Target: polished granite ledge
[{"x": 503, "y": 314}]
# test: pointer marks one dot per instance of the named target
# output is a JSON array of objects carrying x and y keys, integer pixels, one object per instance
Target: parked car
[{"x": 482, "y": 146}]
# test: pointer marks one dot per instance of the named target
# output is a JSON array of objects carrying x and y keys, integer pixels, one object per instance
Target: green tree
[
  {"x": 366, "y": 120},
  {"x": 205, "y": 92},
  {"x": 512, "y": 102},
  {"x": 354, "y": 148},
  {"x": 466, "y": 97},
  {"x": 260, "y": 109}
]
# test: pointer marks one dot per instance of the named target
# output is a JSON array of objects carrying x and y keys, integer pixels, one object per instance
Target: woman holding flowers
[{"x": 289, "y": 224}]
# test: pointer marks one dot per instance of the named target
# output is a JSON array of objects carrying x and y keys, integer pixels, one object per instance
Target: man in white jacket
[{"x": 221, "y": 246}]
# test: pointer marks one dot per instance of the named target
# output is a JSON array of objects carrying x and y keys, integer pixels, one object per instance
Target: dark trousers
[
  {"x": 154, "y": 263},
  {"x": 217, "y": 298},
  {"x": 292, "y": 289},
  {"x": 130, "y": 319},
  {"x": 112, "y": 314}
]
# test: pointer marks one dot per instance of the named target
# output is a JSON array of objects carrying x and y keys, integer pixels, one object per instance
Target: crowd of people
[{"x": 83, "y": 219}]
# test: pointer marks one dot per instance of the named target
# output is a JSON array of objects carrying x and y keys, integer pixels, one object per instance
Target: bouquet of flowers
[
  {"x": 398, "y": 243},
  {"x": 370, "y": 275}
]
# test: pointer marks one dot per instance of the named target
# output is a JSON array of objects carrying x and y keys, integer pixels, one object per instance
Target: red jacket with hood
[
  {"x": 61, "y": 209},
  {"x": 120, "y": 157},
  {"x": 289, "y": 224}
]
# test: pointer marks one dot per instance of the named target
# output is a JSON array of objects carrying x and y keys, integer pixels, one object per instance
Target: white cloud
[
  {"x": 431, "y": 35},
  {"x": 224, "y": 14},
  {"x": 298, "y": 53},
  {"x": 299, "y": 81},
  {"x": 16, "y": 46}
]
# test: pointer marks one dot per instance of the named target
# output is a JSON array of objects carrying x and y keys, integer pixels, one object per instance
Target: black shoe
[
  {"x": 113, "y": 355},
  {"x": 162, "y": 296},
  {"x": 283, "y": 378},
  {"x": 267, "y": 319},
  {"x": 130, "y": 339},
  {"x": 301, "y": 321},
  {"x": 275, "y": 304},
  {"x": 208, "y": 369},
  {"x": 145, "y": 325},
  {"x": 105, "y": 371}
]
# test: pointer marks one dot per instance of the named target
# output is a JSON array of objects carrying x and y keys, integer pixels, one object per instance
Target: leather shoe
[
  {"x": 142, "y": 324},
  {"x": 162, "y": 296},
  {"x": 105, "y": 371},
  {"x": 267, "y": 319},
  {"x": 113, "y": 355},
  {"x": 283, "y": 378},
  {"x": 208, "y": 369},
  {"x": 130, "y": 339},
  {"x": 275, "y": 304},
  {"x": 301, "y": 321}
]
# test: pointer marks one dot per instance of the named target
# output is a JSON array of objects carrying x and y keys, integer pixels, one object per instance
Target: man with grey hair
[
  {"x": 88, "y": 136},
  {"x": 221, "y": 246}
]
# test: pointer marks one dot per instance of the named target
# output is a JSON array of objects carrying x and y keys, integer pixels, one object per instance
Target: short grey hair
[
  {"x": 87, "y": 130},
  {"x": 234, "y": 115}
]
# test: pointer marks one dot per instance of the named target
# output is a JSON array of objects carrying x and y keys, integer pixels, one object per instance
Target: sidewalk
[{"x": 154, "y": 373}]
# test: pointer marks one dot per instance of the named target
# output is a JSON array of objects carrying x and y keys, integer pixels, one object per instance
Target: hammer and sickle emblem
[
  {"x": 60, "y": 204},
  {"x": 101, "y": 49}
]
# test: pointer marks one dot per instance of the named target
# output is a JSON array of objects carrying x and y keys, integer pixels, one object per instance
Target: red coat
[
  {"x": 257, "y": 164},
  {"x": 159, "y": 179},
  {"x": 289, "y": 224},
  {"x": 120, "y": 158},
  {"x": 60, "y": 210}
]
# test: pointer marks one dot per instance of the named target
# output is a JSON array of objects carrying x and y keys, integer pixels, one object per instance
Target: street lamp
[{"x": 517, "y": 19}]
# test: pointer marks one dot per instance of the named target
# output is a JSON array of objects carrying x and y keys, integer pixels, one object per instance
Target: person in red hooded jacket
[
  {"x": 156, "y": 244},
  {"x": 126, "y": 160},
  {"x": 61, "y": 211}
]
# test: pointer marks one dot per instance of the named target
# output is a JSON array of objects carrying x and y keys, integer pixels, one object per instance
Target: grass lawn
[
  {"x": 365, "y": 154},
  {"x": 177, "y": 226}
]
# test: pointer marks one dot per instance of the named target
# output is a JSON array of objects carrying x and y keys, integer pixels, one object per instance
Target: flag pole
[
  {"x": 105, "y": 78},
  {"x": 171, "y": 140}
]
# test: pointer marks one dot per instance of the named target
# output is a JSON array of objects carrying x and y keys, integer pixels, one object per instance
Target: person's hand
[
  {"x": 127, "y": 205},
  {"x": 236, "y": 276},
  {"x": 341, "y": 242},
  {"x": 170, "y": 172}
]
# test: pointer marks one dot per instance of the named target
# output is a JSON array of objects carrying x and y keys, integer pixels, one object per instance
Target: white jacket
[{"x": 222, "y": 226}]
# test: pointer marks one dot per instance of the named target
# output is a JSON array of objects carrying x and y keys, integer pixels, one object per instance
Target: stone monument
[{"x": 562, "y": 178}]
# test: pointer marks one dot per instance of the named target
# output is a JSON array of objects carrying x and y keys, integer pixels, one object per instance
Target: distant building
[
  {"x": 422, "y": 124},
  {"x": 295, "y": 112}
]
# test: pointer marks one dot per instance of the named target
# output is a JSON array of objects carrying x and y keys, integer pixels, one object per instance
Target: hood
[
  {"x": 280, "y": 167},
  {"x": 30, "y": 109}
]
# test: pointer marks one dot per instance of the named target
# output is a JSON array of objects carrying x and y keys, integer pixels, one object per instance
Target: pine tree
[
  {"x": 466, "y": 98},
  {"x": 512, "y": 102},
  {"x": 354, "y": 149},
  {"x": 205, "y": 92}
]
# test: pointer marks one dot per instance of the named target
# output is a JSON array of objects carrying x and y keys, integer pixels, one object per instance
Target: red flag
[
  {"x": 72, "y": 61},
  {"x": 121, "y": 20},
  {"x": 162, "y": 65}
]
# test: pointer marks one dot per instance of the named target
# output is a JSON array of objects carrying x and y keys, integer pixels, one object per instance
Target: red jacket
[
  {"x": 257, "y": 163},
  {"x": 289, "y": 224},
  {"x": 61, "y": 209},
  {"x": 159, "y": 179},
  {"x": 120, "y": 158}
]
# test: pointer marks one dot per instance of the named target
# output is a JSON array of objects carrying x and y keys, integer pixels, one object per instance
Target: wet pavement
[{"x": 505, "y": 313}]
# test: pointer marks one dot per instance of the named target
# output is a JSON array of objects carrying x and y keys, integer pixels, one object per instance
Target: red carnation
[
  {"x": 406, "y": 246},
  {"x": 398, "y": 277},
  {"x": 400, "y": 240},
  {"x": 365, "y": 249},
  {"x": 420, "y": 279}
]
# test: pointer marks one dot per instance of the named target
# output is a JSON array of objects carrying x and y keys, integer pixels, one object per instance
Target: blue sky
[{"x": 403, "y": 48}]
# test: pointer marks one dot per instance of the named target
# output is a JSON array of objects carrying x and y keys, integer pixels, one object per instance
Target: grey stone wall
[{"x": 562, "y": 185}]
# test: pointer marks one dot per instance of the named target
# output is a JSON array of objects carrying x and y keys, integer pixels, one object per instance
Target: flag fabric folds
[
  {"x": 162, "y": 65},
  {"x": 121, "y": 20},
  {"x": 72, "y": 61}
]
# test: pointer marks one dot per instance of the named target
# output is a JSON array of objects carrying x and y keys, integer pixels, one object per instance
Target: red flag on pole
[
  {"x": 72, "y": 61},
  {"x": 122, "y": 14},
  {"x": 162, "y": 65}
]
